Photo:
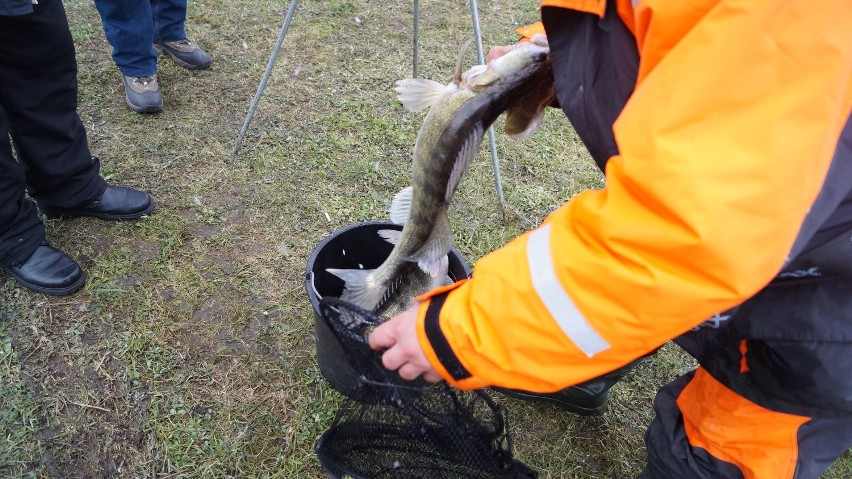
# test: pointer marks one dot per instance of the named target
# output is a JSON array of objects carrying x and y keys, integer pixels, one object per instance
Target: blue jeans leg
[
  {"x": 169, "y": 19},
  {"x": 129, "y": 28}
]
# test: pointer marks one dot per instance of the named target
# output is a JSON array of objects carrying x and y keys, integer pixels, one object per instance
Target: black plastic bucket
[{"x": 352, "y": 247}]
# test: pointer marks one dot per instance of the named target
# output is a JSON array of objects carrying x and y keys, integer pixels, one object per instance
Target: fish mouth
[{"x": 540, "y": 56}]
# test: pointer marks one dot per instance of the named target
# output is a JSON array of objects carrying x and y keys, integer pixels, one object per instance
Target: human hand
[
  {"x": 403, "y": 353},
  {"x": 497, "y": 52}
]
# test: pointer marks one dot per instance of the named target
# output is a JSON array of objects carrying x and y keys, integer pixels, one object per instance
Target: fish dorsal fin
[
  {"x": 464, "y": 158},
  {"x": 391, "y": 236},
  {"x": 430, "y": 256},
  {"x": 401, "y": 206},
  {"x": 457, "y": 74},
  {"x": 419, "y": 93}
]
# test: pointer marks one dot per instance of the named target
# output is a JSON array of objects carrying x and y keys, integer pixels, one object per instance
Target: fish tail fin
[
  {"x": 358, "y": 287},
  {"x": 400, "y": 207},
  {"x": 418, "y": 93}
]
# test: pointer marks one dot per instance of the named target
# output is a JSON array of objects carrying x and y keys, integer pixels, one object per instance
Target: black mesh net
[{"x": 392, "y": 428}]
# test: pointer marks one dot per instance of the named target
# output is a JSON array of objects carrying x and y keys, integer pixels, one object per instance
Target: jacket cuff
[{"x": 435, "y": 344}]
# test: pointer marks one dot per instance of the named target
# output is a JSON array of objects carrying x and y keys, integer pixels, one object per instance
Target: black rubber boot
[{"x": 586, "y": 399}]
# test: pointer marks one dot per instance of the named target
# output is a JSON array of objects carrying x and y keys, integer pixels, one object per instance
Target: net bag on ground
[{"x": 392, "y": 428}]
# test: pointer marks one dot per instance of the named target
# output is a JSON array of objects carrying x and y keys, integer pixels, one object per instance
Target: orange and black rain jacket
[{"x": 723, "y": 127}]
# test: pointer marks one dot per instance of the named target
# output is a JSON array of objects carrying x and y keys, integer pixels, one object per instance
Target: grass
[{"x": 189, "y": 354}]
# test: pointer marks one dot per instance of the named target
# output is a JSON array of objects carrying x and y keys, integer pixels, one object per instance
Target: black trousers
[{"x": 39, "y": 122}]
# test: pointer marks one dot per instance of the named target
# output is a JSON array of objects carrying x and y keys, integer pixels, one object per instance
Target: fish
[
  {"x": 400, "y": 295},
  {"x": 447, "y": 142}
]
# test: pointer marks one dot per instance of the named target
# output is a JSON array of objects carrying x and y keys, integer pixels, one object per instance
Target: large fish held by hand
[{"x": 519, "y": 83}]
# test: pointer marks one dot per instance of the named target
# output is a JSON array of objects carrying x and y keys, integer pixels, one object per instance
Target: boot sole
[
  {"x": 592, "y": 410},
  {"x": 51, "y": 291},
  {"x": 64, "y": 215},
  {"x": 142, "y": 109}
]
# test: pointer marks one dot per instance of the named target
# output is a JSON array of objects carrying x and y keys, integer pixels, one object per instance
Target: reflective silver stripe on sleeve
[{"x": 554, "y": 297}]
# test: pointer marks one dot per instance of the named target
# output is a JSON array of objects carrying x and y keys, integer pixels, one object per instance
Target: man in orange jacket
[{"x": 724, "y": 131}]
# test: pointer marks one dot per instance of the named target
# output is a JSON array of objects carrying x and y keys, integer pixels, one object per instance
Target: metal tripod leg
[
  {"x": 474, "y": 13},
  {"x": 269, "y": 64}
]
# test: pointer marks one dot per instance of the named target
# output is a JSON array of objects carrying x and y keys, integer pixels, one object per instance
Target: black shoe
[
  {"x": 586, "y": 399},
  {"x": 48, "y": 271},
  {"x": 117, "y": 203}
]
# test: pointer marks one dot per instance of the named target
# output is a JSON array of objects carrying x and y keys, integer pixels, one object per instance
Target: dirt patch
[{"x": 94, "y": 425}]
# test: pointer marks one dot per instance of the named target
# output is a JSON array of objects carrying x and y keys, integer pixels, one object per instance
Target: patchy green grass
[
  {"x": 20, "y": 418},
  {"x": 190, "y": 352}
]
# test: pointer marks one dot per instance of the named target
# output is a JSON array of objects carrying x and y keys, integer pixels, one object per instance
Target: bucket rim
[{"x": 314, "y": 296}]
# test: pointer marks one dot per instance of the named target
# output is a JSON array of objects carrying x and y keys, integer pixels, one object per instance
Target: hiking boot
[
  {"x": 186, "y": 53},
  {"x": 142, "y": 94}
]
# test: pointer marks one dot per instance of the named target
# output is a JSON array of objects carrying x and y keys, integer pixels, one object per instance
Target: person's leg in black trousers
[
  {"x": 38, "y": 97},
  {"x": 38, "y": 116},
  {"x": 21, "y": 230}
]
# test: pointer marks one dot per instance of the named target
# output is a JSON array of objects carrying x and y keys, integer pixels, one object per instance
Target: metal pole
[
  {"x": 281, "y": 33},
  {"x": 474, "y": 13},
  {"x": 416, "y": 37}
]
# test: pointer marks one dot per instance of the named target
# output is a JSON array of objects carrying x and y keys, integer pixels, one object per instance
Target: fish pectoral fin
[
  {"x": 482, "y": 80},
  {"x": 524, "y": 119},
  {"x": 418, "y": 93},
  {"x": 441, "y": 278},
  {"x": 472, "y": 73},
  {"x": 432, "y": 256},
  {"x": 467, "y": 152},
  {"x": 430, "y": 267},
  {"x": 400, "y": 207},
  {"x": 358, "y": 287},
  {"x": 520, "y": 126},
  {"x": 391, "y": 236}
]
